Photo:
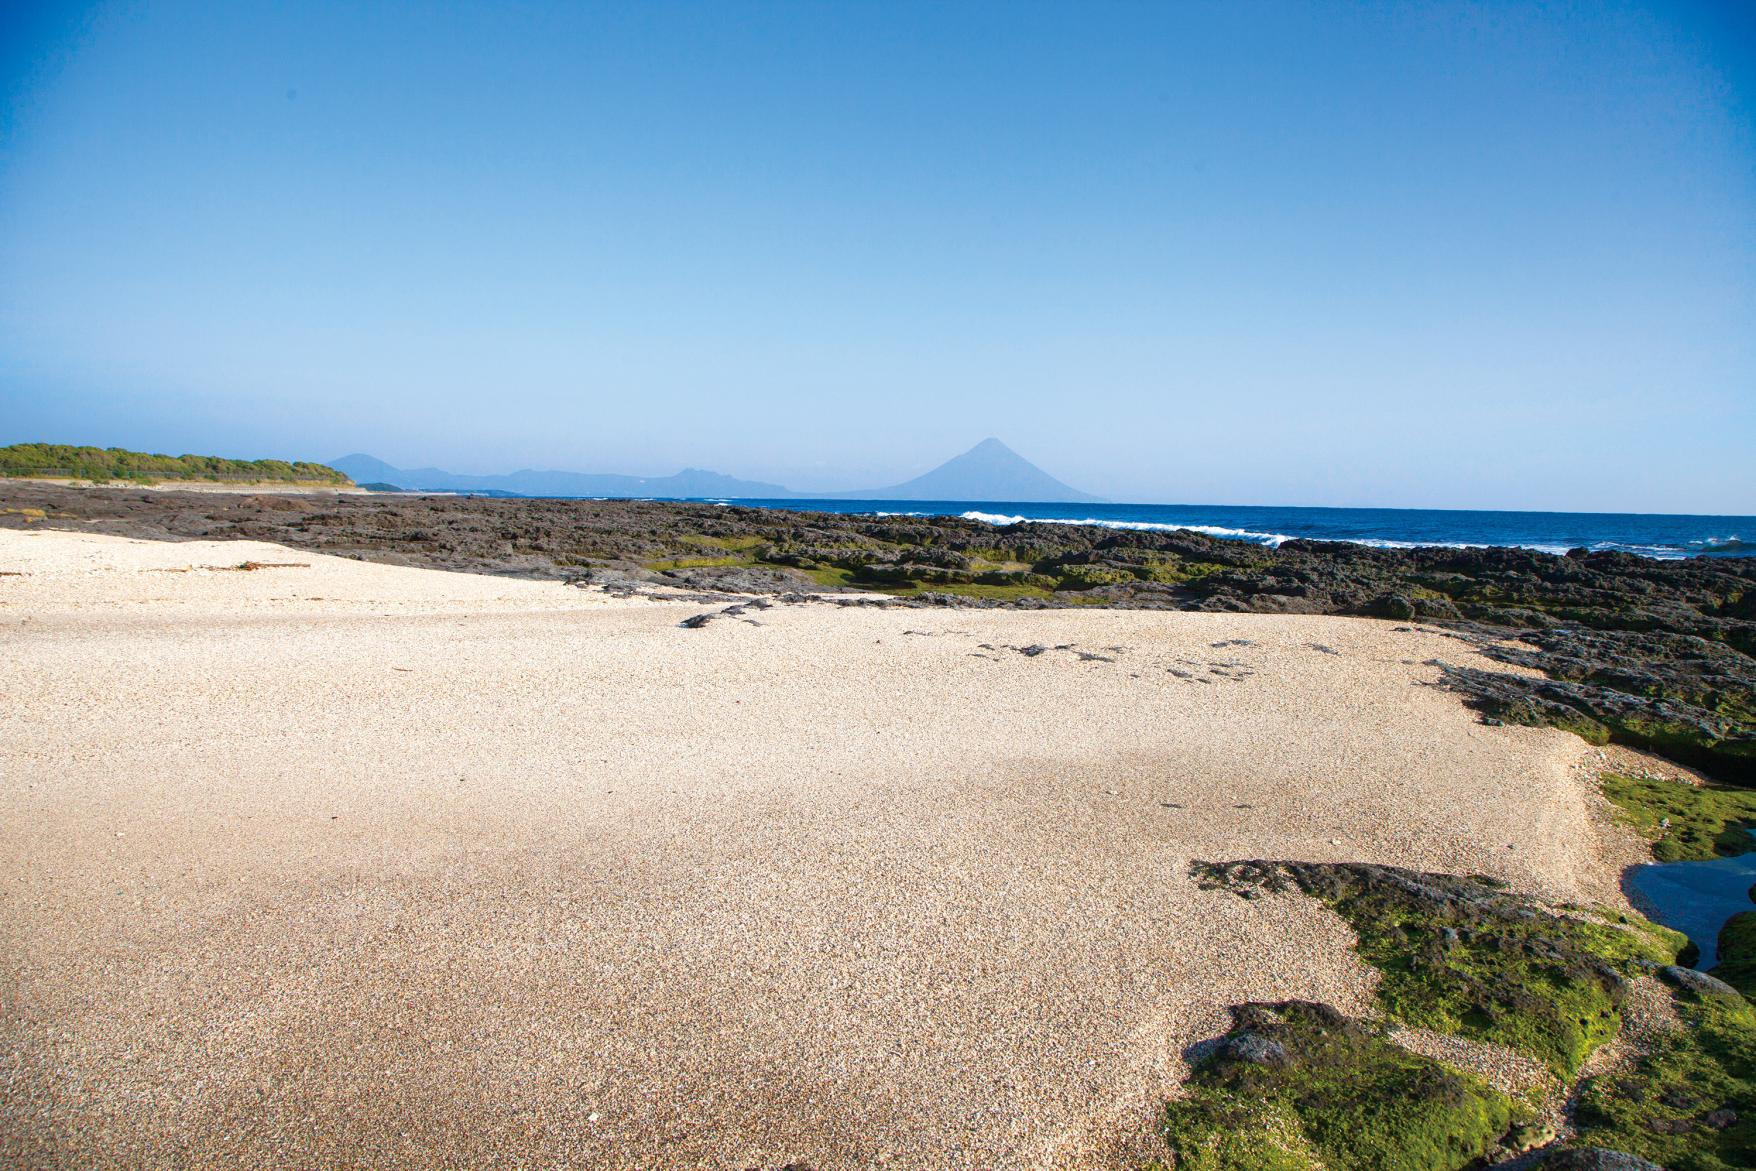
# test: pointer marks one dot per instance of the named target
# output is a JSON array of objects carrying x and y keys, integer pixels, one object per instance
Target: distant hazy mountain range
[
  {"x": 365, "y": 469},
  {"x": 988, "y": 471}
]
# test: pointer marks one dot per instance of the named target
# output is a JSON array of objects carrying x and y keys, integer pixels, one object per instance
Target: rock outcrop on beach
[
  {"x": 1469, "y": 958},
  {"x": 1658, "y": 654}
]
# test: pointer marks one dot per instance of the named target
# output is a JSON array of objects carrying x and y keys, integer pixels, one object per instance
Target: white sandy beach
[{"x": 339, "y": 864}]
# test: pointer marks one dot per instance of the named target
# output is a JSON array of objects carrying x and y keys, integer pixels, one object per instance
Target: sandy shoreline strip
[{"x": 341, "y": 863}]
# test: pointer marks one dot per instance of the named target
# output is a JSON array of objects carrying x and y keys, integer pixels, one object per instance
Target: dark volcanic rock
[
  {"x": 1253, "y": 1048},
  {"x": 1596, "y": 1159},
  {"x": 1700, "y": 983}
]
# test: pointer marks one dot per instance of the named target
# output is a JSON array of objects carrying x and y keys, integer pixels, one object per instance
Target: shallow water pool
[{"x": 1697, "y": 898}]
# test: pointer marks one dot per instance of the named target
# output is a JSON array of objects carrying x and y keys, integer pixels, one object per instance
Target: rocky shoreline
[{"x": 1660, "y": 655}]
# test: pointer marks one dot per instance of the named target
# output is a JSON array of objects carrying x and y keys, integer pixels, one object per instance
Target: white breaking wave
[
  {"x": 1387, "y": 543},
  {"x": 1655, "y": 552},
  {"x": 1274, "y": 540},
  {"x": 995, "y": 518}
]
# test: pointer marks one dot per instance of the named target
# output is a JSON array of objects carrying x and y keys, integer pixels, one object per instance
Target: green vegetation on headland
[
  {"x": 107, "y": 464},
  {"x": 1685, "y": 822},
  {"x": 1465, "y": 956}
]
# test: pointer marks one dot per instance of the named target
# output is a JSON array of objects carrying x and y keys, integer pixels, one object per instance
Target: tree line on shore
[{"x": 115, "y": 463}]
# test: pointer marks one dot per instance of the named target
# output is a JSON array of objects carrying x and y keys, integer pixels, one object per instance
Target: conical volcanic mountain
[{"x": 988, "y": 471}]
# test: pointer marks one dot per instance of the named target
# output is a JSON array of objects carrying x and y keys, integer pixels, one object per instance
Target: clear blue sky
[{"x": 1473, "y": 255}]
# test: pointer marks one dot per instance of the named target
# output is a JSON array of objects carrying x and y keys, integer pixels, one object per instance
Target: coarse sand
[{"x": 325, "y": 863}]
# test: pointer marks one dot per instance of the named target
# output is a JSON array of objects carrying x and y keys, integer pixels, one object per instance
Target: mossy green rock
[
  {"x": 1737, "y": 953},
  {"x": 1297, "y": 1086},
  {"x": 1466, "y": 957},
  {"x": 1689, "y": 1104},
  {"x": 1085, "y": 577},
  {"x": 1685, "y": 823}
]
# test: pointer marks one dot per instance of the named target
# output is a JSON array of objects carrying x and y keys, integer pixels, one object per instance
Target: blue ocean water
[
  {"x": 1697, "y": 898},
  {"x": 1667, "y": 537}
]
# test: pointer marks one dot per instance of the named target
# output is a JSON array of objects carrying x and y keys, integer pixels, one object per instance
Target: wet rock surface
[{"x": 1658, "y": 654}]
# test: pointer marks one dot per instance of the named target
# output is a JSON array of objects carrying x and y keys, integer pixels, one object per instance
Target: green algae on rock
[
  {"x": 1298, "y": 1086},
  {"x": 1684, "y": 822},
  {"x": 1464, "y": 956},
  {"x": 1689, "y": 1102},
  {"x": 1737, "y": 953}
]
